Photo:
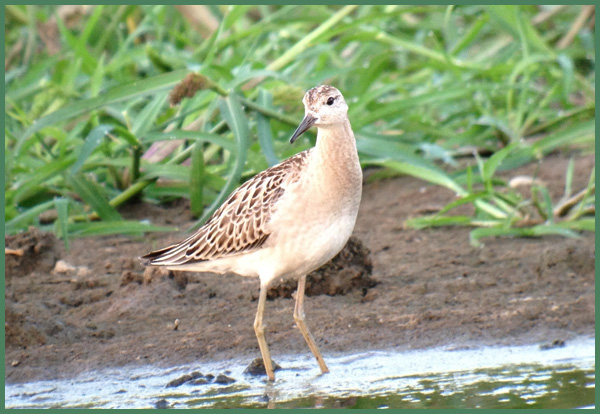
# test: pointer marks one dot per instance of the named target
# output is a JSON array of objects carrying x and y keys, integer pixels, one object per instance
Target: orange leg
[
  {"x": 299, "y": 318},
  {"x": 259, "y": 329}
]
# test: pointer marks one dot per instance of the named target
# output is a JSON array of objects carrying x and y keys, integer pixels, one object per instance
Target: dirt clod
[
  {"x": 224, "y": 379},
  {"x": 128, "y": 277},
  {"x": 257, "y": 367},
  {"x": 62, "y": 267},
  {"x": 179, "y": 381},
  {"x": 162, "y": 404},
  {"x": 349, "y": 270},
  {"x": 40, "y": 251},
  {"x": 557, "y": 343}
]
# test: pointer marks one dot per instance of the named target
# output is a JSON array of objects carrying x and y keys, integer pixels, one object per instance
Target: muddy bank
[{"x": 400, "y": 289}]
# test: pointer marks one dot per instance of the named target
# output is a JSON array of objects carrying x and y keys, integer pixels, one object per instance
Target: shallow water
[{"x": 490, "y": 377}]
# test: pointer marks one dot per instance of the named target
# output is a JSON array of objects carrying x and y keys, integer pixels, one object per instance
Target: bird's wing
[{"x": 240, "y": 224}]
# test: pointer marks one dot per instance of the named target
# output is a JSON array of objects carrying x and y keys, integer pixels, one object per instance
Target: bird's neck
[{"x": 336, "y": 153}]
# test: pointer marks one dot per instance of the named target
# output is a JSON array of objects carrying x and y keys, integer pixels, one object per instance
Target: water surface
[{"x": 488, "y": 377}]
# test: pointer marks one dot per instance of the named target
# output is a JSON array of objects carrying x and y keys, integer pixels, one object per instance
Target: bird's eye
[{"x": 330, "y": 101}]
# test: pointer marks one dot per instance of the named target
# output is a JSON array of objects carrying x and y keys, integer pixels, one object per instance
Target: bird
[{"x": 287, "y": 220}]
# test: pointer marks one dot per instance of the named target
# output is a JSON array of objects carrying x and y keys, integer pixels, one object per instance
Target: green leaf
[
  {"x": 97, "y": 77},
  {"x": 101, "y": 228},
  {"x": 386, "y": 148},
  {"x": 62, "y": 210},
  {"x": 145, "y": 120},
  {"x": 546, "y": 202},
  {"x": 499, "y": 124},
  {"x": 197, "y": 176},
  {"x": 169, "y": 171},
  {"x": 569, "y": 178},
  {"x": 536, "y": 231},
  {"x": 124, "y": 133},
  {"x": 470, "y": 35},
  {"x": 438, "y": 221},
  {"x": 578, "y": 132},
  {"x": 590, "y": 189},
  {"x": 568, "y": 73},
  {"x": 491, "y": 165},
  {"x": 263, "y": 125},
  {"x": 93, "y": 139},
  {"x": 430, "y": 174},
  {"x": 409, "y": 45},
  {"x": 582, "y": 224},
  {"x": 463, "y": 200},
  {"x": 90, "y": 24},
  {"x": 92, "y": 194}
]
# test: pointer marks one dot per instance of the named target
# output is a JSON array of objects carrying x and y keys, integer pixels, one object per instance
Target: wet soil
[{"x": 95, "y": 306}]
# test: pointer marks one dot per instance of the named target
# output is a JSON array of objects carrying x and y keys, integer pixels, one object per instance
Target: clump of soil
[
  {"x": 257, "y": 367},
  {"x": 29, "y": 251},
  {"x": 349, "y": 270}
]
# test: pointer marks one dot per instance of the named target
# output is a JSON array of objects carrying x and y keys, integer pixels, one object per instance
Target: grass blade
[
  {"x": 146, "y": 118},
  {"x": 438, "y": 221},
  {"x": 62, "y": 210},
  {"x": 578, "y": 132},
  {"x": 491, "y": 165},
  {"x": 536, "y": 231},
  {"x": 545, "y": 204},
  {"x": 470, "y": 35},
  {"x": 93, "y": 139},
  {"x": 101, "y": 228},
  {"x": 569, "y": 178},
  {"x": 263, "y": 125},
  {"x": 430, "y": 174},
  {"x": 92, "y": 194},
  {"x": 585, "y": 224},
  {"x": 197, "y": 176}
]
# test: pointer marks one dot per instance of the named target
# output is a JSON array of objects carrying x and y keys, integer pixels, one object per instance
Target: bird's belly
[{"x": 298, "y": 251}]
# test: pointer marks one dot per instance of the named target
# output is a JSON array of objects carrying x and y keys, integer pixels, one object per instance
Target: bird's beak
[{"x": 304, "y": 126}]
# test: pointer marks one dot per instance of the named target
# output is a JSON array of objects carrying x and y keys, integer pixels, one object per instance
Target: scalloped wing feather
[{"x": 239, "y": 225}]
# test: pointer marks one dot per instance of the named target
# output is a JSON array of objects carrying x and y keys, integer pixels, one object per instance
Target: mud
[{"x": 393, "y": 288}]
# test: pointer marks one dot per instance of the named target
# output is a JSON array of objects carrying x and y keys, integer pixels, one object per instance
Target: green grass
[{"x": 86, "y": 124}]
